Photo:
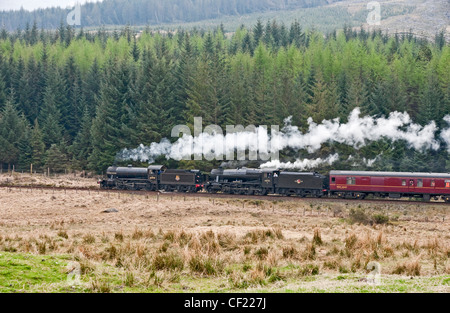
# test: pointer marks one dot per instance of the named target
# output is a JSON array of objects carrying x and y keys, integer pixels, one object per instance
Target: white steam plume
[
  {"x": 445, "y": 135},
  {"x": 357, "y": 132},
  {"x": 301, "y": 164}
]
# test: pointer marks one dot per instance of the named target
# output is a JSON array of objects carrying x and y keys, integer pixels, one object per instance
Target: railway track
[{"x": 158, "y": 194}]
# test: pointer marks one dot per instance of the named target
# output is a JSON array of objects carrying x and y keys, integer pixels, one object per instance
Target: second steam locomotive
[{"x": 246, "y": 181}]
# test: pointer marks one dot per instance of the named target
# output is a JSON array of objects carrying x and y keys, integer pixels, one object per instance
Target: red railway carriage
[{"x": 355, "y": 184}]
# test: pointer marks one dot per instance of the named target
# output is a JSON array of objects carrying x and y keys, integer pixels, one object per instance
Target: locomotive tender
[{"x": 246, "y": 181}]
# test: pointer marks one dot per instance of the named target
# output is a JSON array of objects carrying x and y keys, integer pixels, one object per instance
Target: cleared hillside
[
  {"x": 424, "y": 17},
  {"x": 151, "y": 12}
]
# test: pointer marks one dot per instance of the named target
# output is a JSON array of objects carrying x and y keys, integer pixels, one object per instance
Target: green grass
[
  {"x": 30, "y": 273},
  {"x": 36, "y": 273}
]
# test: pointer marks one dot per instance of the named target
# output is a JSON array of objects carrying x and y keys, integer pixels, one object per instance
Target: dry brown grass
[{"x": 158, "y": 244}]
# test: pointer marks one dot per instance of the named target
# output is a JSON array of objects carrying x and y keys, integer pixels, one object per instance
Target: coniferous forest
[{"x": 72, "y": 99}]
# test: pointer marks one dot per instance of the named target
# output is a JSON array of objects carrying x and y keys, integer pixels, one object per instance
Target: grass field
[{"x": 61, "y": 241}]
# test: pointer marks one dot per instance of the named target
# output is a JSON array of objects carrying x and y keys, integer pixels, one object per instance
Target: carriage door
[{"x": 411, "y": 185}]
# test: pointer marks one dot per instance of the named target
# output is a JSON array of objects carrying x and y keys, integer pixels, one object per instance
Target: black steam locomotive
[
  {"x": 267, "y": 181},
  {"x": 237, "y": 181},
  {"x": 152, "y": 178},
  {"x": 246, "y": 181}
]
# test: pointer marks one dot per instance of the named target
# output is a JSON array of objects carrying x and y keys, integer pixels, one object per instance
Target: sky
[{"x": 33, "y": 4}]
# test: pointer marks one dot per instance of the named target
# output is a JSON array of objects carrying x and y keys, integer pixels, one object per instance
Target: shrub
[
  {"x": 63, "y": 234},
  {"x": 350, "y": 241},
  {"x": 262, "y": 253},
  {"x": 317, "y": 239},
  {"x": 170, "y": 236},
  {"x": 89, "y": 239},
  {"x": 359, "y": 216},
  {"x": 118, "y": 236},
  {"x": 289, "y": 252},
  {"x": 411, "y": 268},
  {"x": 380, "y": 219},
  {"x": 129, "y": 279},
  {"x": 239, "y": 281},
  {"x": 110, "y": 253},
  {"x": 170, "y": 261},
  {"x": 100, "y": 286},
  {"x": 310, "y": 252},
  {"x": 309, "y": 270},
  {"x": 205, "y": 265},
  {"x": 137, "y": 234}
]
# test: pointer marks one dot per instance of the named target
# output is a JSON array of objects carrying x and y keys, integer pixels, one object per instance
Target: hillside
[
  {"x": 424, "y": 17},
  {"x": 151, "y": 12}
]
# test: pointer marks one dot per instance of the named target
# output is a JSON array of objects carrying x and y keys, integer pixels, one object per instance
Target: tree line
[
  {"x": 71, "y": 99},
  {"x": 150, "y": 12}
]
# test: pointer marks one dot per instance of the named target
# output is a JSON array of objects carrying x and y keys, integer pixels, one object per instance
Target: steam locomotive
[{"x": 246, "y": 181}]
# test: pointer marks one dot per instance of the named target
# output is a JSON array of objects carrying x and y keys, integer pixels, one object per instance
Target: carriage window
[
  {"x": 411, "y": 183},
  {"x": 433, "y": 183},
  {"x": 447, "y": 184},
  {"x": 403, "y": 182},
  {"x": 351, "y": 181},
  {"x": 333, "y": 180},
  {"x": 419, "y": 183}
]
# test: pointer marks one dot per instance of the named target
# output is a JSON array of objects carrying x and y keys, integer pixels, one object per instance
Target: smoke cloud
[
  {"x": 445, "y": 135},
  {"x": 302, "y": 164},
  {"x": 357, "y": 132}
]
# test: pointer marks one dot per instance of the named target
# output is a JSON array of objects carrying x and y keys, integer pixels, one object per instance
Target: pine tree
[
  {"x": 297, "y": 108},
  {"x": 135, "y": 53},
  {"x": 261, "y": 86},
  {"x": 258, "y": 32},
  {"x": 296, "y": 36},
  {"x": 431, "y": 107},
  {"x": 82, "y": 146},
  {"x": 50, "y": 115},
  {"x": 37, "y": 146},
  {"x": 34, "y": 34},
  {"x": 2, "y": 90},
  {"x": 357, "y": 96},
  {"x": 323, "y": 103},
  {"x": 183, "y": 72},
  {"x": 12, "y": 128},
  {"x": 91, "y": 88},
  {"x": 56, "y": 159},
  {"x": 377, "y": 102},
  {"x": 69, "y": 84},
  {"x": 25, "y": 149},
  {"x": 106, "y": 131},
  {"x": 247, "y": 44}
]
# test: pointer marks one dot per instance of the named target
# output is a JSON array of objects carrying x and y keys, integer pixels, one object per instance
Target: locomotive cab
[{"x": 270, "y": 179}]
